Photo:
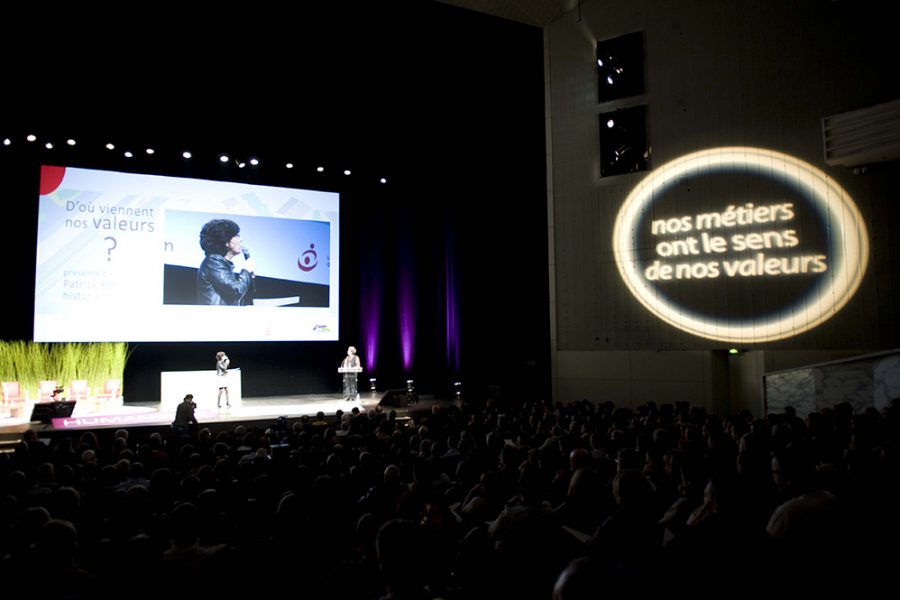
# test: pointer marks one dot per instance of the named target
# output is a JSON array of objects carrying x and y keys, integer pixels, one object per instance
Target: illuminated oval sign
[{"x": 732, "y": 257}]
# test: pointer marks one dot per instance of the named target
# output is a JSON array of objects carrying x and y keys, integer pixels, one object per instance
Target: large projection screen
[{"x": 119, "y": 258}]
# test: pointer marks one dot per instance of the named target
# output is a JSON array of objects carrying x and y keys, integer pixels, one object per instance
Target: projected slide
[{"x": 119, "y": 258}]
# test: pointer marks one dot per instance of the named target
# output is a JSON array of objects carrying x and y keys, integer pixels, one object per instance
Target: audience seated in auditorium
[{"x": 488, "y": 507}]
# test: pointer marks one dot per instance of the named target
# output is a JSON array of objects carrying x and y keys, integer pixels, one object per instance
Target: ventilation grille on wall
[{"x": 862, "y": 137}]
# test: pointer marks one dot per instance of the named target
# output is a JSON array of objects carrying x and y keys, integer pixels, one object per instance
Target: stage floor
[{"x": 137, "y": 414}]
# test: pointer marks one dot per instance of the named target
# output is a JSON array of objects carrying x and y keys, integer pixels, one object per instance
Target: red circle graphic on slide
[{"x": 51, "y": 177}]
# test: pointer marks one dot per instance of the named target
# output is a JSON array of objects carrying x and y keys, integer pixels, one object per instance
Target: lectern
[{"x": 350, "y": 381}]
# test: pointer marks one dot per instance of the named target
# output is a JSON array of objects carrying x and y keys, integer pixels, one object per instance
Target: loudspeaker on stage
[
  {"x": 394, "y": 398},
  {"x": 45, "y": 412}
]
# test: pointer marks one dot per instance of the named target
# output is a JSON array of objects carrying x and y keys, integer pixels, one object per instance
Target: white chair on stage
[
  {"x": 79, "y": 390},
  {"x": 14, "y": 400},
  {"x": 46, "y": 389},
  {"x": 110, "y": 396}
]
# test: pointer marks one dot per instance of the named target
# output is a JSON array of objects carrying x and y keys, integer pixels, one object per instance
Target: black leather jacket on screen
[{"x": 217, "y": 283}]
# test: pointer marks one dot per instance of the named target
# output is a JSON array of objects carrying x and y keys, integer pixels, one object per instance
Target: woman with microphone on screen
[{"x": 217, "y": 283}]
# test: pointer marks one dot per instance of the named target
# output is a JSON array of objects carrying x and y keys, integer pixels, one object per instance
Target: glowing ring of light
[{"x": 828, "y": 197}]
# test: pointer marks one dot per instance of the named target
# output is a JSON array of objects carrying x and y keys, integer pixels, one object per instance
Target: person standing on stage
[
  {"x": 222, "y": 362},
  {"x": 350, "y": 361}
]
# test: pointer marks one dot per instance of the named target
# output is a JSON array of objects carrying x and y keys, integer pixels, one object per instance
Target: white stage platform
[{"x": 92, "y": 416}]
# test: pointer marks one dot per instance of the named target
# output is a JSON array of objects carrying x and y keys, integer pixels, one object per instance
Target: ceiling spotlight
[
  {"x": 241, "y": 164},
  {"x": 383, "y": 180},
  {"x": 48, "y": 146},
  {"x": 110, "y": 146},
  {"x": 223, "y": 158},
  {"x": 31, "y": 137},
  {"x": 70, "y": 142},
  {"x": 610, "y": 124},
  {"x": 346, "y": 171},
  {"x": 320, "y": 169},
  {"x": 254, "y": 161},
  {"x": 7, "y": 141},
  {"x": 609, "y": 79},
  {"x": 128, "y": 154},
  {"x": 186, "y": 154},
  {"x": 151, "y": 151},
  {"x": 289, "y": 166}
]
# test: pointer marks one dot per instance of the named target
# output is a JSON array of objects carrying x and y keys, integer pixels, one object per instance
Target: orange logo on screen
[{"x": 309, "y": 259}]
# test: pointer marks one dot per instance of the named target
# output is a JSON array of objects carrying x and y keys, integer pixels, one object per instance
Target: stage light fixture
[
  {"x": 320, "y": 169},
  {"x": 733, "y": 351},
  {"x": 7, "y": 141},
  {"x": 151, "y": 151},
  {"x": 48, "y": 146},
  {"x": 254, "y": 162},
  {"x": 31, "y": 137},
  {"x": 383, "y": 180},
  {"x": 372, "y": 384},
  {"x": 241, "y": 164},
  {"x": 620, "y": 67},
  {"x": 624, "y": 147},
  {"x": 186, "y": 154},
  {"x": 346, "y": 171},
  {"x": 223, "y": 158},
  {"x": 70, "y": 142},
  {"x": 128, "y": 154},
  {"x": 289, "y": 166},
  {"x": 411, "y": 396},
  {"x": 457, "y": 389},
  {"x": 110, "y": 146}
]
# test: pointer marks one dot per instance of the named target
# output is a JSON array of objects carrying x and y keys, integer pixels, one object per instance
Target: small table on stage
[{"x": 349, "y": 373}]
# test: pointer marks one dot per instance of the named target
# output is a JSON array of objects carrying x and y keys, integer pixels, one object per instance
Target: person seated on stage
[{"x": 185, "y": 420}]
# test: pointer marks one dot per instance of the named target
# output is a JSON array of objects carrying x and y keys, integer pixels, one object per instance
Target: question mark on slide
[{"x": 111, "y": 248}]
